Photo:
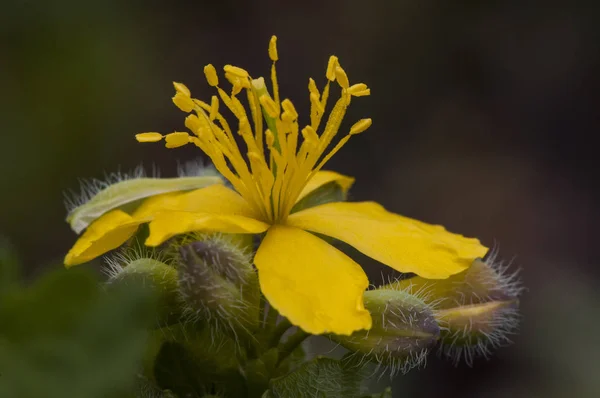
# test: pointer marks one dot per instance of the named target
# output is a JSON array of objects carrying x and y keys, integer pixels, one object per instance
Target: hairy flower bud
[
  {"x": 219, "y": 284},
  {"x": 476, "y": 309},
  {"x": 403, "y": 329},
  {"x": 161, "y": 277}
]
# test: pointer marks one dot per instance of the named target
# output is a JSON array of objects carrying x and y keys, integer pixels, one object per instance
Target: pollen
[{"x": 280, "y": 156}]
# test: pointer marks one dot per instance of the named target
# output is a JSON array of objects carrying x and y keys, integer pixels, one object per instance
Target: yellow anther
[
  {"x": 236, "y": 71},
  {"x": 183, "y": 102},
  {"x": 341, "y": 77},
  {"x": 211, "y": 75},
  {"x": 312, "y": 88},
  {"x": 359, "y": 90},
  {"x": 314, "y": 101},
  {"x": 269, "y": 105},
  {"x": 363, "y": 93},
  {"x": 214, "y": 107},
  {"x": 356, "y": 88},
  {"x": 177, "y": 139},
  {"x": 181, "y": 88},
  {"x": 310, "y": 135},
  {"x": 148, "y": 137},
  {"x": 287, "y": 106},
  {"x": 244, "y": 126},
  {"x": 333, "y": 62},
  {"x": 273, "y": 49},
  {"x": 193, "y": 123},
  {"x": 287, "y": 117},
  {"x": 360, "y": 126},
  {"x": 270, "y": 138}
]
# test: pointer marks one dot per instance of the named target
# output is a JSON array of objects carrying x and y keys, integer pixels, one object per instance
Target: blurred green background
[{"x": 485, "y": 116}]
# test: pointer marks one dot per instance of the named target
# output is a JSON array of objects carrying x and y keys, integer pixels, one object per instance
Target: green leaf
[
  {"x": 65, "y": 336},
  {"x": 322, "y": 377},
  {"x": 9, "y": 266}
]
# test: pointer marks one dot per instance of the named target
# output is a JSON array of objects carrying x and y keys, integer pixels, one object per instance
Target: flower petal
[
  {"x": 324, "y": 177},
  {"x": 106, "y": 233},
  {"x": 313, "y": 284},
  {"x": 214, "y": 199},
  {"x": 170, "y": 223},
  {"x": 128, "y": 191},
  {"x": 402, "y": 243}
]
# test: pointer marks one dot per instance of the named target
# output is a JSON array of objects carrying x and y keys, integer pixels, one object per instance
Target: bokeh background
[{"x": 485, "y": 116}]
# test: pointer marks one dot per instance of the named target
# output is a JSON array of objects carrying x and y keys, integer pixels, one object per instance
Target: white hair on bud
[
  {"x": 503, "y": 324},
  {"x": 196, "y": 168},
  {"x": 388, "y": 360},
  {"x": 146, "y": 389},
  {"x": 117, "y": 261},
  {"x": 219, "y": 318},
  {"x": 466, "y": 345},
  {"x": 88, "y": 188}
]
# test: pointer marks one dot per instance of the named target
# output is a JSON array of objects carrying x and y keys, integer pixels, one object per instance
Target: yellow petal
[
  {"x": 170, "y": 223},
  {"x": 324, "y": 177},
  {"x": 106, "y": 233},
  {"x": 404, "y": 244},
  {"x": 215, "y": 199},
  {"x": 215, "y": 208},
  {"x": 127, "y": 192},
  {"x": 313, "y": 284}
]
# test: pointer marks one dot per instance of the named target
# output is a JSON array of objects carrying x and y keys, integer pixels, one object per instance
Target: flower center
[{"x": 278, "y": 162}]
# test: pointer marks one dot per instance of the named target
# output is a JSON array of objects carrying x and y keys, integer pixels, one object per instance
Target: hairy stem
[{"x": 288, "y": 346}]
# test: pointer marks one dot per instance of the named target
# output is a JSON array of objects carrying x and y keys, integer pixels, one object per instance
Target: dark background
[{"x": 485, "y": 116}]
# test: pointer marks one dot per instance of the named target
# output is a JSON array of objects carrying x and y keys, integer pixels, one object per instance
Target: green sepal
[
  {"x": 162, "y": 279},
  {"x": 321, "y": 377},
  {"x": 330, "y": 192},
  {"x": 129, "y": 193},
  {"x": 404, "y": 327}
]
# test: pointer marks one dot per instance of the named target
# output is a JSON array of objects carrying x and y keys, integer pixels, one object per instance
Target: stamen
[
  {"x": 183, "y": 102},
  {"x": 214, "y": 107},
  {"x": 341, "y": 77},
  {"x": 330, "y": 73},
  {"x": 289, "y": 107},
  {"x": 149, "y": 137},
  {"x": 360, "y": 126},
  {"x": 270, "y": 187},
  {"x": 182, "y": 88},
  {"x": 177, "y": 139},
  {"x": 359, "y": 90},
  {"x": 273, "y": 49},
  {"x": 269, "y": 105},
  {"x": 211, "y": 75}
]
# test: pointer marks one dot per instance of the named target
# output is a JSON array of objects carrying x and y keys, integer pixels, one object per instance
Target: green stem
[
  {"x": 279, "y": 330},
  {"x": 272, "y": 315},
  {"x": 287, "y": 347}
]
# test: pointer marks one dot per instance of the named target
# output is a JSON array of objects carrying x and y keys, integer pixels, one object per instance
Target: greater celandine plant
[{"x": 244, "y": 261}]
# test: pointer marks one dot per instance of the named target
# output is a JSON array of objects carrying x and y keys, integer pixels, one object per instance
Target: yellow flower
[{"x": 313, "y": 284}]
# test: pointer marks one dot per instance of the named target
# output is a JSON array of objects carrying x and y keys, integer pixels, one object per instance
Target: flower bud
[
  {"x": 219, "y": 284},
  {"x": 403, "y": 329},
  {"x": 476, "y": 309},
  {"x": 162, "y": 278}
]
